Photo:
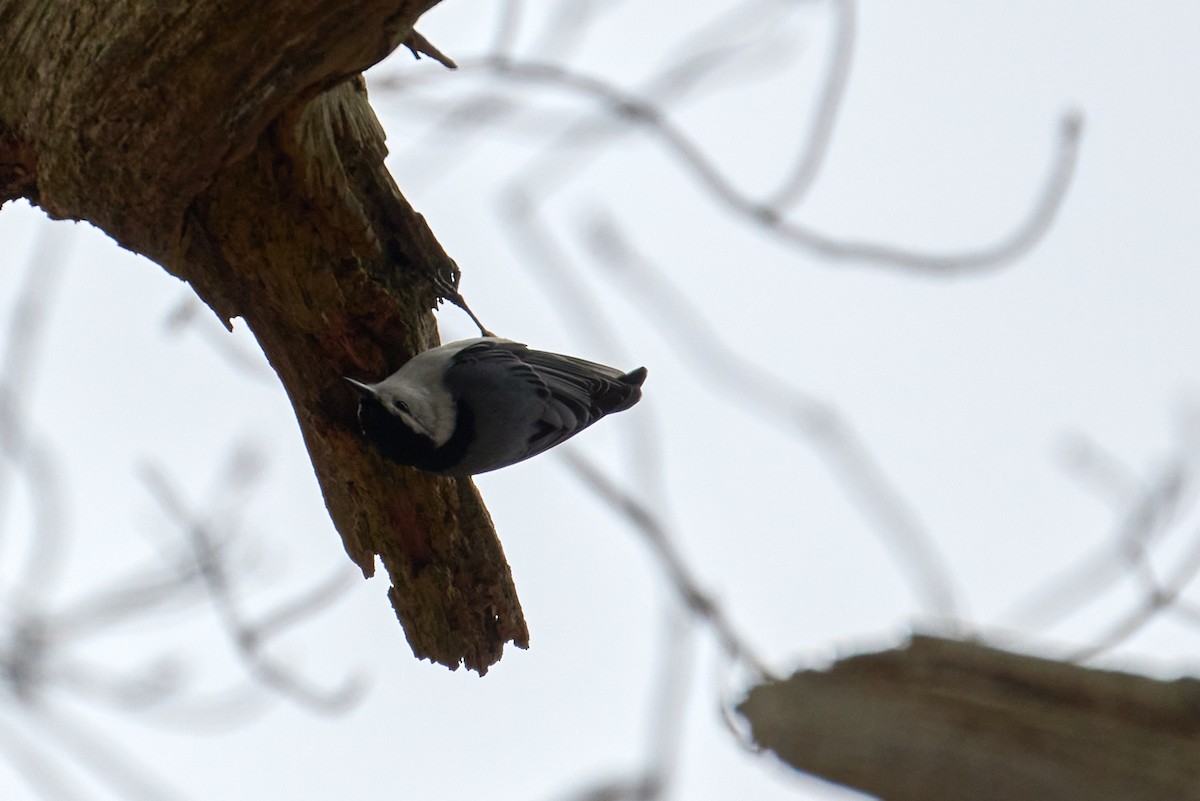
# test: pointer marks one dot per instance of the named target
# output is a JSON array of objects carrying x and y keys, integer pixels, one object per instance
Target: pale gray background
[{"x": 965, "y": 389}]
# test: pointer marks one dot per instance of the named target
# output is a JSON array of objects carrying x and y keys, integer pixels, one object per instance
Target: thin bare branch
[
  {"x": 656, "y": 535},
  {"x": 799, "y": 180},
  {"x": 569, "y": 23},
  {"x": 649, "y": 116},
  {"x": 850, "y": 461},
  {"x": 548, "y": 260},
  {"x": 505, "y": 37},
  {"x": 22, "y": 450},
  {"x": 248, "y": 637},
  {"x": 118, "y": 769},
  {"x": 1144, "y": 519},
  {"x": 304, "y": 606},
  {"x": 1102, "y": 472},
  {"x": 420, "y": 46},
  {"x": 40, "y": 770},
  {"x": 192, "y": 315},
  {"x": 151, "y": 591},
  {"x": 1157, "y": 598}
]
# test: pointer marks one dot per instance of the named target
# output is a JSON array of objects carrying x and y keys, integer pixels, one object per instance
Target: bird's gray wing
[{"x": 554, "y": 396}]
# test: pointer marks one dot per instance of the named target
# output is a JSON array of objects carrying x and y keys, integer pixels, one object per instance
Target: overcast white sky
[{"x": 965, "y": 390}]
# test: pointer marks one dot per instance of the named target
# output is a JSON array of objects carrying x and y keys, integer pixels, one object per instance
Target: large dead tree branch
[
  {"x": 234, "y": 145},
  {"x": 947, "y": 719}
]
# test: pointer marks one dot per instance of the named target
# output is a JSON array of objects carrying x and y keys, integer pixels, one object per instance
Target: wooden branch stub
[
  {"x": 948, "y": 719},
  {"x": 420, "y": 46}
]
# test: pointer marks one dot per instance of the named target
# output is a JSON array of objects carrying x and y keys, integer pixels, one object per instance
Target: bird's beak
[{"x": 363, "y": 389}]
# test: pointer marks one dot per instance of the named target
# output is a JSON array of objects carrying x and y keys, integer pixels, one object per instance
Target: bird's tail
[
  {"x": 624, "y": 393},
  {"x": 634, "y": 377}
]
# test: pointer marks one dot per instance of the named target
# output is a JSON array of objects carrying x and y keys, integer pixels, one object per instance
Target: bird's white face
[{"x": 418, "y": 409}]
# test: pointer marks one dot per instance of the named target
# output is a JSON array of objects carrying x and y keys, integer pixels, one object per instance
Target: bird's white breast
[{"x": 419, "y": 383}]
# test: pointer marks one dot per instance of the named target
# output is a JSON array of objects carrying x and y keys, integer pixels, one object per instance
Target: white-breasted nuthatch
[{"x": 485, "y": 403}]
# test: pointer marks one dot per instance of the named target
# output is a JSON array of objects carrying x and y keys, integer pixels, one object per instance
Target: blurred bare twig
[
  {"x": 191, "y": 314},
  {"x": 568, "y": 116},
  {"x": 1153, "y": 512},
  {"x": 667, "y": 702},
  {"x": 38, "y": 663},
  {"x": 114, "y": 765},
  {"x": 559, "y": 155},
  {"x": 44, "y": 657},
  {"x": 1145, "y": 510},
  {"x": 250, "y": 637},
  {"x": 729, "y": 41},
  {"x": 834, "y": 439},
  {"x": 797, "y": 182},
  {"x": 25, "y": 455},
  {"x": 645, "y": 522},
  {"x": 652, "y": 781}
]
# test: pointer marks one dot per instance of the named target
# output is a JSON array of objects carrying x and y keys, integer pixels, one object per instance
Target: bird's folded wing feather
[{"x": 574, "y": 393}]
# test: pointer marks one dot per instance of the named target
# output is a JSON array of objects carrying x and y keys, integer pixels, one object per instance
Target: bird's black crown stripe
[{"x": 399, "y": 443}]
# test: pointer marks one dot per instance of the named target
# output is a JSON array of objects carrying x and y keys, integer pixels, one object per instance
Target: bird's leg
[
  {"x": 450, "y": 292},
  {"x": 458, "y": 301}
]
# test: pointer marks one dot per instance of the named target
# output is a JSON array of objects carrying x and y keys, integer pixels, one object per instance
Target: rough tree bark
[
  {"x": 233, "y": 144},
  {"x": 959, "y": 720}
]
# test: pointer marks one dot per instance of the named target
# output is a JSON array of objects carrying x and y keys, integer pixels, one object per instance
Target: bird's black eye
[{"x": 400, "y": 406}]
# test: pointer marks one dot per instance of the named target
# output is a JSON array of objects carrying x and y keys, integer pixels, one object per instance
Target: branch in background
[
  {"x": 44, "y": 637},
  {"x": 561, "y": 154},
  {"x": 799, "y": 180},
  {"x": 1157, "y": 597},
  {"x": 736, "y": 37},
  {"x": 848, "y": 459},
  {"x": 43, "y": 658},
  {"x": 39, "y": 770},
  {"x": 667, "y": 706},
  {"x": 945, "y": 719},
  {"x": 645, "y": 522},
  {"x": 187, "y": 316},
  {"x": 728, "y": 49},
  {"x": 1153, "y": 513},
  {"x": 699, "y": 62},
  {"x": 26, "y": 455},
  {"x": 771, "y": 217},
  {"x": 249, "y": 638},
  {"x": 121, "y": 770},
  {"x": 1141, "y": 522}
]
